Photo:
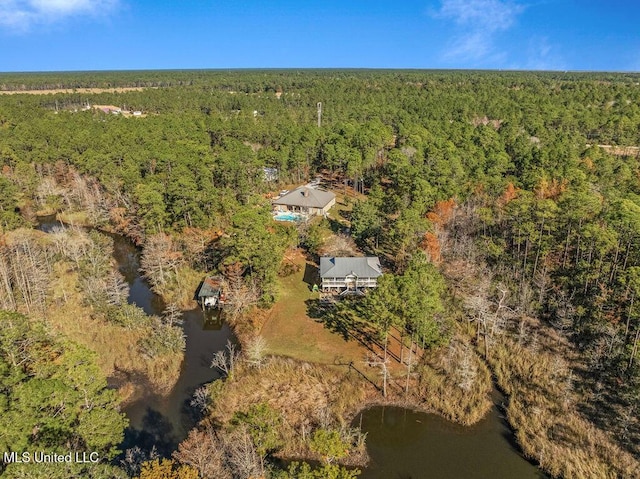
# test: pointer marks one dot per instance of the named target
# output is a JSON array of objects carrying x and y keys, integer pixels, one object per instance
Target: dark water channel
[
  {"x": 156, "y": 419},
  {"x": 405, "y": 444},
  {"x": 165, "y": 420}
]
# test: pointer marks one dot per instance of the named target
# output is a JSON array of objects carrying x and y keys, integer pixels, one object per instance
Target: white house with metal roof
[
  {"x": 349, "y": 273},
  {"x": 309, "y": 201}
]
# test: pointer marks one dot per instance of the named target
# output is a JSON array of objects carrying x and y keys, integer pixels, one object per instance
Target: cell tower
[{"x": 319, "y": 114}]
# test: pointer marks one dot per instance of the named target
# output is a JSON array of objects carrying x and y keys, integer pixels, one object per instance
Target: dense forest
[{"x": 505, "y": 207}]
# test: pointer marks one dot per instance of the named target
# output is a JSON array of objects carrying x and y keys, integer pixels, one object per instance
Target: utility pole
[{"x": 319, "y": 114}]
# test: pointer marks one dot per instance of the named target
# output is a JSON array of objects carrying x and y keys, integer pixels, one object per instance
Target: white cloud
[
  {"x": 491, "y": 14},
  {"x": 478, "y": 22},
  {"x": 21, "y": 15},
  {"x": 541, "y": 55}
]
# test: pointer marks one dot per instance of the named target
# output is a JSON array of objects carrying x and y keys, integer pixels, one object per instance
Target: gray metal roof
[
  {"x": 210, "y": 287},
  {"x": 362, "y": 267},
  {"x": 306, "y": 198}
]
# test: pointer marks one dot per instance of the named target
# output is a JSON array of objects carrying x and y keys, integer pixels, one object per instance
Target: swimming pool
[{"x": 287, "y": 216}]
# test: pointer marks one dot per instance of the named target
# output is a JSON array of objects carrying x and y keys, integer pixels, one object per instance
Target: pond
[{"x": 405, "y": 444}]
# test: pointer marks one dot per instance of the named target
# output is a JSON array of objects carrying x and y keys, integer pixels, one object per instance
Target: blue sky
[{"x": 44, "y": 35}]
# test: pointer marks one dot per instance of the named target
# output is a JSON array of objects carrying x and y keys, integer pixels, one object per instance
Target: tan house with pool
[{"x": 305, "y": 200}]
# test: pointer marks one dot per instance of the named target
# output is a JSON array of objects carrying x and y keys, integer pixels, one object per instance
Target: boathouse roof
[{"x": 210, "y": 287}]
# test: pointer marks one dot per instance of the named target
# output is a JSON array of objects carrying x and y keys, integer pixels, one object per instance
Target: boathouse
[{"x": 210, "y": 294}]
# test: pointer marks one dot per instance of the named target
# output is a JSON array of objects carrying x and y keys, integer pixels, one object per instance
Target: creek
[
  {"x": 155, "y": 419},
  {"x": 165, "y": 420}
]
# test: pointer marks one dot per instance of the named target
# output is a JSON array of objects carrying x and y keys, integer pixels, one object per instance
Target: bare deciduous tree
[
  {"x": 73, "y": 244},
  {"x": 374, "y": 360},
  {"x": 200, "y": 399},
  {"x": 204, "y": 451},
  {"x": 7, "y": 299},
  {"x": 134, "y": 457},
  {"x": 116, "y": 288},
  {"x": 241, "y": 293},
  {"x": 410, "y": 360},
  {"x": 255, "y": 351},
  {"x": 48, "y": 189},
  {"x": 225, "y": 361},
  {"x": 489, "y": 315},
  {"x": 242, "y": 456},
  {"x": 93, "y": 289},
  {"x": 467, "y": 370},
  {"x": 30, "y": 270},
  {"x": 160, "y": 259},
  {"x": 89, "y": 196},
  {"x": 172, "y": 315}
]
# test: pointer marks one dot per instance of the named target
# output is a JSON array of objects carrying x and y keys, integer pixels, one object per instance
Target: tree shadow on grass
[
  {"x": 338, "y": 318},
  {"x": 311, "y": 275},
  {"x": 345, "y": 215},
  {"x": 336, "y": 226},
  {"x": 317, "y": 310},
  {"x": 331, "y": 315}
]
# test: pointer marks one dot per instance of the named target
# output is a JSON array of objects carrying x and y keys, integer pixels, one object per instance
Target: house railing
[{"x": 342, "y": 283}]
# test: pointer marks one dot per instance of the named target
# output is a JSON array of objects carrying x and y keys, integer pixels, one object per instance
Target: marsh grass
[
  {"x": 440, "y": 387},
  {"x": 307, "y": 396},
  {"x": 181, "y": 289},
  {"x": 543, "y": 410},
  {"x": 116, "y": 347}
]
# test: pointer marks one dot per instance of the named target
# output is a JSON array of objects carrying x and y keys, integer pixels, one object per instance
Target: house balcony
[{"x": 339, "y": 283}]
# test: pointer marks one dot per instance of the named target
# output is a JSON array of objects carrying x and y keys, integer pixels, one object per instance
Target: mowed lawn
[{"x": 289, "y": 331}]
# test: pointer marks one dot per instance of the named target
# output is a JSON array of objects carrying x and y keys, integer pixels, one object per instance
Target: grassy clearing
[
  {"x": 291, "y": 332},
  {"x": 77, "y": 218}
]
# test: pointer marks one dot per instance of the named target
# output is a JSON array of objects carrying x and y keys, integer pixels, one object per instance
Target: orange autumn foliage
[
  {"x": 123, "y": 223},
  {"x": 442, "y": 212},
  {"x": 550, "y": 189},
  {"x": 510, "y": 193},
  {"x": 431, "y": 245},
  {"x": 441, "y": 215},
  {"x": 167, "y": 469}
]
